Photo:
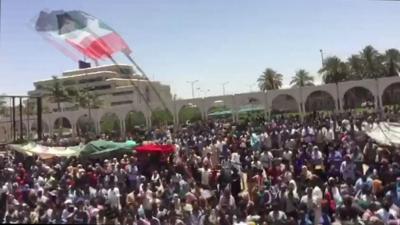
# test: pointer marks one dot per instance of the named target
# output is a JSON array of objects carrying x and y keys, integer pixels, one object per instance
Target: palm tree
[
  {"x": 86, "y": 99},
  {"x": 356, "y": 67},
  {"x": 392, "y": 62},
  {"x": 334, "y": 70},
  {"x": 30, "y": 107},
  {"x": 58, "y": 94},
  {"x": 372, "y": 62},
  {"x": 270, "y": 80},
  {"x": 302, "y": 78}
]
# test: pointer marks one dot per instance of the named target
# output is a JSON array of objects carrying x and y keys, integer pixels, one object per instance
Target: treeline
[{"x": 369, "y": 63}]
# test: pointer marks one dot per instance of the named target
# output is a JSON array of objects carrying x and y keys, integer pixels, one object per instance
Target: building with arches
[{"x": 127, "y": 108}]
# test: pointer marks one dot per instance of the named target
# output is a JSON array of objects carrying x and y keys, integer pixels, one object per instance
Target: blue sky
[{"x": 213, "y": 41}]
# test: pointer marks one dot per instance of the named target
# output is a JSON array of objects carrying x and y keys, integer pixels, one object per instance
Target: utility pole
[
  {"x": 0, "y": 19},
  {"x": 192, "y": 84},
  {"x": 223, "y": 87},
  {"x": 322, "y": 57}
]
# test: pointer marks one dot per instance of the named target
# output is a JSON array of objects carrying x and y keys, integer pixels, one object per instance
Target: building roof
[{"x": 103, "y": 68}]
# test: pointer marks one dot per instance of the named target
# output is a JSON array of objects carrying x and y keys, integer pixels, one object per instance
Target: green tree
[
  {"x": 85, "y": 99},
  {"x": 270, "y": 80},
  {"x": 109, "y": 124},
  {"x": 302, "y": 78},
  {"x": 356, "y": 67},
  {"x": 392, "y": 62},
  {"x": 372, "y": 63},
  {"x": 133, "y": 119},
  {"x": 189, "y": 113},
  {"x": 161, "y": 117},
  {"x": 30, "y": 107},
  {"x": 57, "y": 94},
  {"x": 334, "y": 70}
]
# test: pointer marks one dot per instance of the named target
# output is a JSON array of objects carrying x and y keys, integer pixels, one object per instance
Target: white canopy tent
[{"x": 385, "y": 133}]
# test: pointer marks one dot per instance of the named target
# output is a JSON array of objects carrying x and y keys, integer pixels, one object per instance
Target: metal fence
[{"x": 20, "y": 118}]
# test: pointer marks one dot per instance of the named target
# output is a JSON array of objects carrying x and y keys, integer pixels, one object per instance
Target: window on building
[
  {"x": 121, "y": 103},
  {"x": 122, "y": 93},
  {"x": 91, "y": 80},
  {"x": 69, "y": 82},
  {"x": 102, "y": 87},
  {"x": 126, "y": 71}
]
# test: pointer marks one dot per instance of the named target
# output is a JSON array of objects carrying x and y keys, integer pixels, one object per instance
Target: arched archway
[
  {"x": 135, "y": 121},
  {"x": 391, "y": 95},
  {"x": 284, "y": 103},
  {"x": 161, "y": 117},
  {"x": 110, "y": 125},
  {"x": 62, "y": 126},
  {"x": 253, "y": 110},
  {"x": 189, "y": 113},
  {"x": 358, "y": 97},
  {"x": 219, "y": 109},
  {"x": 319, "y": 101},
  {"x": 85, "y": 126},
  {"x": 219, "y": 112}
]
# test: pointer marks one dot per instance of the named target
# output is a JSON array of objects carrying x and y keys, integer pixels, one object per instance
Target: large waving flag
[{"x": 84, "y": 32}]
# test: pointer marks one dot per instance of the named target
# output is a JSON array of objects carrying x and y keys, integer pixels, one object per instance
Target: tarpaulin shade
[
  {"x": 102, "y": 149},
  {"x": 93, "y": 150},
  {"x": 153, "y": 148},
  {"x": 385, "y": 133},
  {"x": 46, "y": 152}
]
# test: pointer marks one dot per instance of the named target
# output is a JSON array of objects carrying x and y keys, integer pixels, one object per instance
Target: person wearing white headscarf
[
  {"x": 316, "y": 200},
  {"x": 291, "y": 198}
]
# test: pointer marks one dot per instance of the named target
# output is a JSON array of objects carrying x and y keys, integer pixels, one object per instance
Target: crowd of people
[{"x": 320, "y": 170}]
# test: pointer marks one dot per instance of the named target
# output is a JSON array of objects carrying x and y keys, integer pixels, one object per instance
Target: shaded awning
[{"x": 385, "y": 133}]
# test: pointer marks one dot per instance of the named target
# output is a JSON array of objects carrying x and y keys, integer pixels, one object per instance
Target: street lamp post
[
  {"x": 192, "y": 82},
  {"x": 206, "y": 92},
  {"x": 223, "y": 87},
  {"x": 322, "y": 57}
]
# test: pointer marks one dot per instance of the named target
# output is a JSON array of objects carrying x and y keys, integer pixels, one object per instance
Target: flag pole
[
  {"x": 135, "y": 86},
  {"x": 149, "y": 82}
]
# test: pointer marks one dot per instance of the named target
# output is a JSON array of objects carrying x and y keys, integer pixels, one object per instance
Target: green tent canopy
[
  {"x": 246, "y": 109},
  {"x": 102, "y": 149}
]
